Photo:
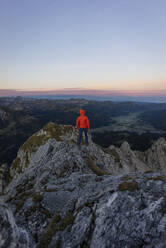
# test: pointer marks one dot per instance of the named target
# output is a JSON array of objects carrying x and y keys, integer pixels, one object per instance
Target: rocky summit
[{"x": 56, "y": 194}]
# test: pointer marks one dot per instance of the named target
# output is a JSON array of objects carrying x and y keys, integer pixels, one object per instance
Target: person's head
[{"x": 82, "y": 112}]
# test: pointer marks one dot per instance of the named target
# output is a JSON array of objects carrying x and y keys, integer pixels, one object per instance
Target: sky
[{"x": 82, "y": 45}]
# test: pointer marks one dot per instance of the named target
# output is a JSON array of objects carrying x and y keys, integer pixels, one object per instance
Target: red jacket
[{"x": 82, "y": 120}]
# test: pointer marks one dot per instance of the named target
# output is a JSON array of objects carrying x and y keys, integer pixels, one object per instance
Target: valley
[
  {"x": 111, "y": 122},
  {"x": 130, "y": 122}
]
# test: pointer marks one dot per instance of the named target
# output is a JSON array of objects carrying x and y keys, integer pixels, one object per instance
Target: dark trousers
[{"x": 81, "y": 131}]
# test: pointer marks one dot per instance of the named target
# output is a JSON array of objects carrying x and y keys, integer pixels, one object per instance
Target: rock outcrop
[
  {"x": 4, "y": 171},
  {"x": 62, "y": 195},
  {"x": 3, "y": 115},
  {"x": 29, "y": 148},
  {"x": 155, "y": 157},
  {"x": 11, "y": 235}
]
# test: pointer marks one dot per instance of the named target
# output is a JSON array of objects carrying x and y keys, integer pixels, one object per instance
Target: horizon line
[{"x": 82, "y": 91}]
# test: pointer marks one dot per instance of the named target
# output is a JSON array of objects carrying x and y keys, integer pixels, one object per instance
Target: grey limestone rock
[
  {"x": 62, "y": 195},
  {"x": 4, "y": 170},
  {"x": 3, "y": 115},
  {"x": 11, "y": 235}
]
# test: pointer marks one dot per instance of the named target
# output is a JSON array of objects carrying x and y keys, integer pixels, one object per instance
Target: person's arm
[
  {"x": 88, "y": 124},
  {"x": 78, "y": 123}
]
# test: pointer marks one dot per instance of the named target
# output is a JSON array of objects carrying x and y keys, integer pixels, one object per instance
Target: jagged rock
[
  {"x": 114, "y": 160},
  {"x": 11, "y": 235},
  {"x": 50, "y": 131},
  {"x": 155, "y": 157},
  {"x": 127, "y": 159},
  {"x": 3, "y": 115},
  {"x": 106, "y": 211},
  {"x": 69, "y": 197},
  {"x": 4, "y": 170}
]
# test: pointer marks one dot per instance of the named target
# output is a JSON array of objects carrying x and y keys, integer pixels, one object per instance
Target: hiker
[{"x": 83, "y": 126}]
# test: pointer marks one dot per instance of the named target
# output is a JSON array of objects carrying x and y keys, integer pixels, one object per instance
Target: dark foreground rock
[
  {"x": 60, "y": 195},
  {"x": 11, "y": 235}
]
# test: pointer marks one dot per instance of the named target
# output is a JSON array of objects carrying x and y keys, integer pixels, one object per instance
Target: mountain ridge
[
  {"x": 137, "y": 160},
  {"x": 60, "y": 195}
]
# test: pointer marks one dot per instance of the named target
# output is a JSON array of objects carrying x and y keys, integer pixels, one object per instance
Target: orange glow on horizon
[{"x": 82, "y": 91}]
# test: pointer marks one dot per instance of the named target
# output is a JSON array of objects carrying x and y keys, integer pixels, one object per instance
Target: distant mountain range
[
  {"x": 152, "y": 96},
  {"x": 116, "y": 98},
  {"x": 111, "y": 122}
]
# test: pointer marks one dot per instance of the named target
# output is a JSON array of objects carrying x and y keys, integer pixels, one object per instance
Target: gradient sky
[{"x": 83, "y": 44}]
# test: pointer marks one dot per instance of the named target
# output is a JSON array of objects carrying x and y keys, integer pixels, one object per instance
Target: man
[{"x": 83, "y": 126}]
